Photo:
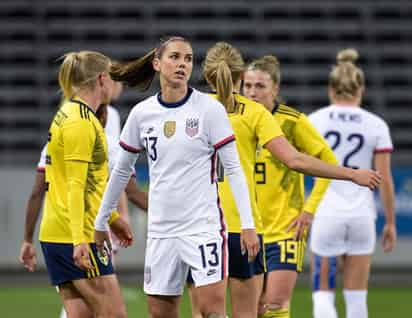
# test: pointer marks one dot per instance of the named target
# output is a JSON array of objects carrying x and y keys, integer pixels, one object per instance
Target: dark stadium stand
[{"x": 305, "y": 35}]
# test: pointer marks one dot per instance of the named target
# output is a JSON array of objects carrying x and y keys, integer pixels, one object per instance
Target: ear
[{"x": 156, "y": 64}]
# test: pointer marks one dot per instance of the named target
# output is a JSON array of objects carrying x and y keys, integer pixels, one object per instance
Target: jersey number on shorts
[
  {"x": 209, "y": 254},
  {"x": 358, "y": 139},
  {"x": 288, "y": 251},
  {"x": 151, "y": 147}
]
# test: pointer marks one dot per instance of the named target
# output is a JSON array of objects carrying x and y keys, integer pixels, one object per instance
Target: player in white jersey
[
  {"x": 345, "y": 219},
  {"x": 182, "y": 130}
]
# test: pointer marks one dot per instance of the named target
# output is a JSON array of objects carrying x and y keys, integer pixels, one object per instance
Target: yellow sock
[{"x": 277, "y": 313}]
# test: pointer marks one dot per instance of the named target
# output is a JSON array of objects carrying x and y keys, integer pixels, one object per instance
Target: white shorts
[
  {"x": 333, "y": 236},
  {"x": 168, "y": 261}
]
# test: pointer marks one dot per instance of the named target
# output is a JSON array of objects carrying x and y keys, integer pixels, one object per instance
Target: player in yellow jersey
[
  {"x": 285, "y": 215},
  {"x": 253, "y": 124},
  {"x": 76, "y": 176}
]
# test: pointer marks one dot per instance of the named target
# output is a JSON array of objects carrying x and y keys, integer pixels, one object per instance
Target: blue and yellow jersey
[
  {"x": 75, "y": 136},
  {"x": 252, "y": 124},
  {"x": 280, "y": 191}
]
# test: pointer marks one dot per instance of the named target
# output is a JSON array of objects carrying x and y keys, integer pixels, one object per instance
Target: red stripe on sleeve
[
  {"x": 41, "y": 169},
  {"x": 129, "y": 148},
  {"x": 384, "y": 150},
  {"x": 224, "y": 142}
]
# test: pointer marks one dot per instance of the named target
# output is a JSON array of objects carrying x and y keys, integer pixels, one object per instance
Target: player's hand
[
  {"x": 302, "y": 225},
  {"x": 28, "y": 256},
  {"x": 388, "y": 237},
  {"x": 81, "y": 256},
  {"x": 102, "y": 240},
  {"x": 122, "y": 230},
  {"x": 249, "y": 243},
  {"x": 367, "y": 178}
]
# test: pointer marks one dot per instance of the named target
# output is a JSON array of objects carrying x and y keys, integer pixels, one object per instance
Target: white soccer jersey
[
  {"x": 41, "y": 165},
  {"x": 355, "y": 135},
  {"x": 180, "y": 140}
]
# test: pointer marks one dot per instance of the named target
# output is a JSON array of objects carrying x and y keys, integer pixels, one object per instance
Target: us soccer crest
[
  {"x": 169, "y": 128},
  {"x": 192, "y": 126}
]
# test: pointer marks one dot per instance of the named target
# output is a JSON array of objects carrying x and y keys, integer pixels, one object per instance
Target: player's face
[
  {"x": 176, "y": 63},
  {"x": 259, "y": 87}
]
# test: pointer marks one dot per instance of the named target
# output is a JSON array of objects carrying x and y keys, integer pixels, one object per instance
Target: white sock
[
  {"x": 63, "y": 313},
  {"x": 324, "y": 304},
  {"x": 355, "y": 301}
]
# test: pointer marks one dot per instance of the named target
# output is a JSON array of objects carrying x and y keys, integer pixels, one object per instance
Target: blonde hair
[
  {"x": 222, "y": 69},
  {"x": 346, "y": 78},
  {"x": 80, "y": 70},
  {"x": 139, "y": 73},
  {"x": 268, "y": 64}
]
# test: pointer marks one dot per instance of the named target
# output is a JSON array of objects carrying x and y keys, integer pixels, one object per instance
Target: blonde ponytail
[{"x": 222, "y": 69}]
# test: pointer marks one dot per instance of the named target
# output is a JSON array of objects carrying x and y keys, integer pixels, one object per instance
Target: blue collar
[{"x": 177, "y": 104}]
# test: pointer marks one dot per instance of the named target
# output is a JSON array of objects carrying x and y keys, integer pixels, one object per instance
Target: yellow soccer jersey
[
  {"x": 75, "y": 135},
  {"x": 280, "y": 191},
  {"x": 251, "y": 124}
]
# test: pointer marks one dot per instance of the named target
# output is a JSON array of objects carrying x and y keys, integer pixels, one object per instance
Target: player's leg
[
  {"x": 328, "y": 239},
  {"x": 164, "y": 277},
  {"x": 324, "y": 270},
  {"x": 284, "y": 259},
  {"x": 163, "y": 306},
  {"x": 361, "y": 243},
  {"x": 356, "y": 276},
  {"x": 98, "y": 287},
  {"x": 206, "y": 255},
  {"x": 194, "y": 301},
  {"x": 73, "y": 302},
  {"x": 245, "y": 279},
  {"x": 210, "y": 300},
  {"x": 103, "y": 295},
  {"x": 244, "y": 295}
]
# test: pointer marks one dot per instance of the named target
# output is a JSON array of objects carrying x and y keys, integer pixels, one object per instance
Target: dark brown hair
[{"x": 139, "y": 73}]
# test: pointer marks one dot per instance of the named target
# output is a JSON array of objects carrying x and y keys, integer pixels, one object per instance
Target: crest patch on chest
[
  {"x": 192, "y": 127},
  {"x": 169, "y": 128}
]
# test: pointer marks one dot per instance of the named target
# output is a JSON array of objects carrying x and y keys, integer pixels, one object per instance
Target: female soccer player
[
  {"x": 252, "y": 123},
  {"x": 280, "y": 190},
  {"x": 76, "y": 175},
  {"x": 345, "y": 219},
  {"x": 181, "y": 130}
]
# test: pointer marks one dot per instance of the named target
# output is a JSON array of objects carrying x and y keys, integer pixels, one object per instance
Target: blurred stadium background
[{"x": 305, "y": 35}]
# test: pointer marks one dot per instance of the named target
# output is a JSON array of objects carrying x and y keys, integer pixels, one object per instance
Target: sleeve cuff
[
  {"x": 224, "y": 142},
  {"x": 129, "y": 148}
]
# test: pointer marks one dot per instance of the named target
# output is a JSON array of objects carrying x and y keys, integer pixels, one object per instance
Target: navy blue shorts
[
  {"x": 285, "y": 255},
  {"x": 61, "y": 267},
  {"x": 239, "y": 267}
]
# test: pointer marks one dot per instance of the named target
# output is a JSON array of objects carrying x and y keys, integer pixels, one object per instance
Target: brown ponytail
[{"x": 138, "y": 73}]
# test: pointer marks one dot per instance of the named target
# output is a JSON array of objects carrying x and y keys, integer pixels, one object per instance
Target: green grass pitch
[{"x": 43, "y": 302}]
